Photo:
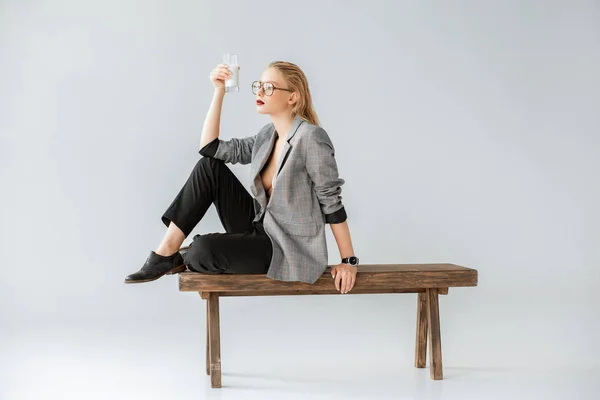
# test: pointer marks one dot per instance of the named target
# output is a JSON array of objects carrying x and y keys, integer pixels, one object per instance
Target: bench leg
[
  {"x": 207, "y": 341},
  {"x": 421, "y": 340},
  {"x": 214, "y": 338},
  {"x": 435, "y": 340}
]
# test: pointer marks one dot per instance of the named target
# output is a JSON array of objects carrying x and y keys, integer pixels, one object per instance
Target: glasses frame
[{"x": 263, "y": 89}]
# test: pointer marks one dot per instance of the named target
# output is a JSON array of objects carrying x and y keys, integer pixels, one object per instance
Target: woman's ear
[{"x": 293, "y": 98}]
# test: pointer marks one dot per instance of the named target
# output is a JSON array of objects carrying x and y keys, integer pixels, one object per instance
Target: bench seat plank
[
  {"x": 371, "y": 278},
  {"x": 204, "y": 295}
]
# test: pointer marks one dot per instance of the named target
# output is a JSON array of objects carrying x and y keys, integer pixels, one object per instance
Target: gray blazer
[{"x": 306, "y": 195}]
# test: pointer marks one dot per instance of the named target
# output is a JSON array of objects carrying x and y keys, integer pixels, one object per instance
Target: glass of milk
[{"x": 232, "y": 84}]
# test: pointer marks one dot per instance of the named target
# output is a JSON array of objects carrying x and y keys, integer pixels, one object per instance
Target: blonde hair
[{"x": 297, "y": 81}]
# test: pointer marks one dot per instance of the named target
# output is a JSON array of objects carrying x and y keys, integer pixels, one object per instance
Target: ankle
[{"x": 165, "y": 251}]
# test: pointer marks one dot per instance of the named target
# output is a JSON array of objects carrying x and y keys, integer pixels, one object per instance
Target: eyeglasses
[{"x": 268, "y": 87}]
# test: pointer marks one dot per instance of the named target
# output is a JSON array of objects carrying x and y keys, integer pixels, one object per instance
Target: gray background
[{"x": 466, "y": 131}]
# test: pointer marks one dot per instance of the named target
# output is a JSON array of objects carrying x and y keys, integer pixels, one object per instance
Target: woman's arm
[
  {"x": 210, "y": 130},
  {"x": 234, "y": 150},
  {"x": 342, "y": 237},
  {"x": 344, "y": 275},
  {"x": 322, "y": 168}
]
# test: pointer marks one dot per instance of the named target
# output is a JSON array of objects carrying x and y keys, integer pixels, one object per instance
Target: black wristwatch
[{"x": 352, "y": 260}]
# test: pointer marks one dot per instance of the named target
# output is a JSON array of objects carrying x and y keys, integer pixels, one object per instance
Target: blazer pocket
[{"x": 300, "y": 228}]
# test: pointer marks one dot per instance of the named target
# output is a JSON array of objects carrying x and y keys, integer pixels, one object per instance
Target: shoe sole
[{"x": 175, "y": 270}]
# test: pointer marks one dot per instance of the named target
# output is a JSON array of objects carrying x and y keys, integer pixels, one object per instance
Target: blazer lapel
[
  {"x": 262, "y": 155},
  {"x": 282, "y": 157}
]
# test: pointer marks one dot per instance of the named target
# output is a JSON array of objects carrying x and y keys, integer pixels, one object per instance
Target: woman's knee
[
  {"x": 208, "y": 167},
  {"x": 208, "y": 162}
]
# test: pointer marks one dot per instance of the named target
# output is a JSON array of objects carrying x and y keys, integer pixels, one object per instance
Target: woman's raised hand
[{"x": 219, "y": 75}]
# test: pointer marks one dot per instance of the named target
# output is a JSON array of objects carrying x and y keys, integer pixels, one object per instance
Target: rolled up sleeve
[
  {"x": 210, "y": 149},
  {"x": 322, "y": 168},
  {"x": 232, "y": 151}
]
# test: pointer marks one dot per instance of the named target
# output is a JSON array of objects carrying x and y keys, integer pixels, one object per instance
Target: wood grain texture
[
  {"x": 435, "y": 339},
  {"x": 421, "y": 337},
  {"x": 215, "y": 340},
  {"x": 371, "y": 278},
  {"x": 204, "y": 294},
  {"x": 207, "y": 339}
]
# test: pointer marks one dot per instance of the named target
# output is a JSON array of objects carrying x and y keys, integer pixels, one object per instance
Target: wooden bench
[{"x": 428, "y": 280}]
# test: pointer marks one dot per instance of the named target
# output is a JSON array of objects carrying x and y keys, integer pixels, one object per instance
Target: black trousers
[{"x": 244, "y": 248}]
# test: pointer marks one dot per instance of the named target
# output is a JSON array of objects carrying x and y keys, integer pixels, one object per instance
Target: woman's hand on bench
[{"x": 345, "y": 276}]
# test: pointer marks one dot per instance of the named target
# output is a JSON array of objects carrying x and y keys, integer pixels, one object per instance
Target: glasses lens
[
  {"x": 268, "y": 88},
  {"x": 255, "y": 87}
]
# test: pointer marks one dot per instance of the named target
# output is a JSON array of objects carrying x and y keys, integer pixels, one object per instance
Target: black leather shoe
[{"x": 157, "y": 266}]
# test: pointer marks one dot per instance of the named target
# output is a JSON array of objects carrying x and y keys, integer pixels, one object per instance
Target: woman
[{"x": 280, "y": 229}]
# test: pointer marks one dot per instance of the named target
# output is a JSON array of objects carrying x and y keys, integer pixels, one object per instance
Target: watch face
[{"x": 353, "y": 260}]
